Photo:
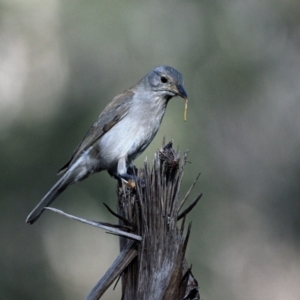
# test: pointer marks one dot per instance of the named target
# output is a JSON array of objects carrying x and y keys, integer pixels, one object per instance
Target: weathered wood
[
  {"x": 159, "y": 271},
  {"x": 116, "y": 269}
]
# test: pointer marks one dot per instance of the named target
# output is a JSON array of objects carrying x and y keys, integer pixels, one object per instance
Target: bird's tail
[{"x": 54, "y": 192}]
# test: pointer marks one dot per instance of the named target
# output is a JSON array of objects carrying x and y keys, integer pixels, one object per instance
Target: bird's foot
[{"x": 131, "y": 180}]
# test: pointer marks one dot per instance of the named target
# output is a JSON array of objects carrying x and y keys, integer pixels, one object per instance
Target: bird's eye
[{"x": 163, "y": 79}]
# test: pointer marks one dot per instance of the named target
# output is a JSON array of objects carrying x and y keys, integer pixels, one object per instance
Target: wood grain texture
[
  {"x": 159, "y": 271},
  {"x": 155, "y": 267}
]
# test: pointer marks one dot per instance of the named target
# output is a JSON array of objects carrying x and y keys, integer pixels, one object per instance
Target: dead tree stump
[{"x": 155, "y": 267}]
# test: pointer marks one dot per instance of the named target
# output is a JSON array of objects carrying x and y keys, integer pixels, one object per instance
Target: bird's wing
[{"x": 115, "y": 111}]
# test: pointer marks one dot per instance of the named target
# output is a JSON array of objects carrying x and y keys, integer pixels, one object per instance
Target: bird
[{"x": 123, "y": 130}]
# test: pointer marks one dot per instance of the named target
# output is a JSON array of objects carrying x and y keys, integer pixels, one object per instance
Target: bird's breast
[{"x": 131, "y": 135}]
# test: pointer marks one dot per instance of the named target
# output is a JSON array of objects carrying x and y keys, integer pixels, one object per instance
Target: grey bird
[{"x": 122, "y": 132}]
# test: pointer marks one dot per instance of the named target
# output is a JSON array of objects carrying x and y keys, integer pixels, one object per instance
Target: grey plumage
[{"x": 122, "y": 132}]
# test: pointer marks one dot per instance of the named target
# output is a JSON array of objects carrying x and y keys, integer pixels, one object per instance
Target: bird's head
[{"x": 167, "y": 82}]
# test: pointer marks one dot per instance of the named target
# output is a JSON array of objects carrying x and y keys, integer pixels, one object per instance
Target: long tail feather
[{"x": 54, "y": 192}]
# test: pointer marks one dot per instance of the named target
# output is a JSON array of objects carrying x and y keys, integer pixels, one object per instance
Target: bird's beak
[{"x": 181, "y": 92}]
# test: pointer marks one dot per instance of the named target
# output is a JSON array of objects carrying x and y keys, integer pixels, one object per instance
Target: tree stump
[{"x": 154, "y": 267}]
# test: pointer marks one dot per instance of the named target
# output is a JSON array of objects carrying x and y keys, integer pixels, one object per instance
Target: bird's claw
[{"x": 131, "y": 180}]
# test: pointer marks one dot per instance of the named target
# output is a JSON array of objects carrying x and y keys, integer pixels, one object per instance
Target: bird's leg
[
  {"x": 131, "y": 180},
  {"x": 132, "y": 170},
  {"x": 127, "y": 171},
  {"x": 127, "y": 177}
]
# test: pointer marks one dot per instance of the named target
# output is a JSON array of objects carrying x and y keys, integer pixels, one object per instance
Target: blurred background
[{"x": 61, "y": 62}]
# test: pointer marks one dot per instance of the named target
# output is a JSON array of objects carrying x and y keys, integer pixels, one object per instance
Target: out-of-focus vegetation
[{"x": 62, "y": 61}]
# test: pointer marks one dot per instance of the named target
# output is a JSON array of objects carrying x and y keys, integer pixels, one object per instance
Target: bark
[{"x": 155, "y": 267}]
